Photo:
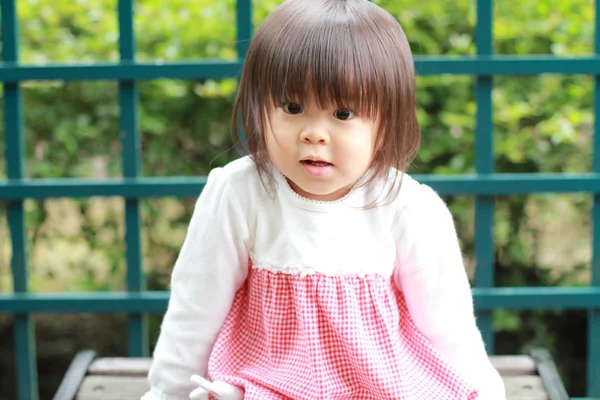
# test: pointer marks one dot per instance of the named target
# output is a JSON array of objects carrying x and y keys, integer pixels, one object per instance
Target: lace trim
[{"x": 305, "y": 270}]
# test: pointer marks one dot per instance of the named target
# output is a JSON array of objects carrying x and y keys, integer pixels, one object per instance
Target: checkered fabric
[{"x": 328, "y": 337}]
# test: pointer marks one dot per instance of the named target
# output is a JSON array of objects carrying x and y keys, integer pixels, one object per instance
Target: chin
[{"x": 325, "y": 191}]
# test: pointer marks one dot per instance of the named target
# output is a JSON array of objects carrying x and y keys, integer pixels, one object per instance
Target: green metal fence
[{"x": 484, "y": 184}]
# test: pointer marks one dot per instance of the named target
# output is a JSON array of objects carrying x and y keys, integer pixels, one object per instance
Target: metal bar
[
  {"x": 121, "y": 71},
  {"x": 244, "y": 27},
  {"x": 24, "y": 329},
  {"x": 518, "y": 298},
  {"x": 546, "y": 369},
  {"x": 131, "y": 155},
  {"x": 593, "y": 361},
  {"x": 214, "y": 69},
  {"x": 484, "y": 164},
  {"x": 73, "y": 378},
  {"x": 148, "y": 187}
]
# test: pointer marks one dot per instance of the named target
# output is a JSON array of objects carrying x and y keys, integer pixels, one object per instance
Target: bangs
[
  {"x": 334, "y": 58},
  {"x": 320, "y": 66}
]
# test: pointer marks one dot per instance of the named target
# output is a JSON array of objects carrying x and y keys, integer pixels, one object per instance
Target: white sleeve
[
  {"x": 432, "y": 275},
  {"x": 210, "y": 268}
]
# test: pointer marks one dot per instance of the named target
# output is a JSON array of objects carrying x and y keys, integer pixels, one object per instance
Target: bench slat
[
  {"x": 514, "y": 365},
  {"x": 122, "y": 366},
  {"x": 100, "y": 387},
  {"x": 524, "y": 388}
]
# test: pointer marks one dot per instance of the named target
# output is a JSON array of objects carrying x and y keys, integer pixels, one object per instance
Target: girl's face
[{"x": 322, "y": 152}]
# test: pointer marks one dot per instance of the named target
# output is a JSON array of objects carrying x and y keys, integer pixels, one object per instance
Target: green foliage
[{"x": 542, "y": 124}]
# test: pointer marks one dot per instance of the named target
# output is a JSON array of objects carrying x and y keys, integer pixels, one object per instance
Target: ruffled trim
[{"x": 307, "y": 269}]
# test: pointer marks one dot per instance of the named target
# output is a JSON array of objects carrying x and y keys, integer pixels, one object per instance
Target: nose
[{"x": 314, "y": 134}]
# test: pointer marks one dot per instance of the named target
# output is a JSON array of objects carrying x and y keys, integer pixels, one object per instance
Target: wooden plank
[
  {"x": 120, "y": 366},
  {"x": 123, "y": 366},
  {"x": 98, "y": 387},
  {"x": 524, "y": 388},
  {"x": 514, "y": 365}
]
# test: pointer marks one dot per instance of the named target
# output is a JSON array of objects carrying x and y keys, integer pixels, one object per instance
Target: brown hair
[{"x": 343, "y": 53}]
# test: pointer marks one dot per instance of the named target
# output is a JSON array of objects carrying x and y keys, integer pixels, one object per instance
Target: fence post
[
  {"x": 484, "y": 164},
  {"x": 131, "y": 161},
  {"x": 24, "y": 329}
]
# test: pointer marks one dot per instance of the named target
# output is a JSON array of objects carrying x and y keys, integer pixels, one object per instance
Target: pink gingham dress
[{"x": 295, "y": 336}]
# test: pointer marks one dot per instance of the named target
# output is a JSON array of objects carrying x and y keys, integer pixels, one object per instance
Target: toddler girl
[{"x": 315, "y": 267}]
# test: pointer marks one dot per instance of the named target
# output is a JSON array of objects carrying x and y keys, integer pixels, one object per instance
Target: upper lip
[{"x": 314, "y": 158}]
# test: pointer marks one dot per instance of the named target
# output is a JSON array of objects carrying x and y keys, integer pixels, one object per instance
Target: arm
[
  {"x": 210, "y": 268},
  {"x": 432, "y": 276}
]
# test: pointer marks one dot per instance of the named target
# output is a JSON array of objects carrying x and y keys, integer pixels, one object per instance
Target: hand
[{"x": 218, "y": 389}]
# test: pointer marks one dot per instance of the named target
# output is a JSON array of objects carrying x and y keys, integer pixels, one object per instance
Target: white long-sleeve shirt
[{"x": 411, "y": 239}]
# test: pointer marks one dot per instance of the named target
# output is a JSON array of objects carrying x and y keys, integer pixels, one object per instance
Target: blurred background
[{"x": 542, "y": 124}]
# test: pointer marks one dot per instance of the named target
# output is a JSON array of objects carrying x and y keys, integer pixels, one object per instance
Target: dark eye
[
  {"x": 343, "y": 114},
  {"x": 292, "y": 108}
]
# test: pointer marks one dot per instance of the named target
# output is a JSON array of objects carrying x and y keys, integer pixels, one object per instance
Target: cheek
[
  {"x": 272, "y": 141},
  {"x": 282, "y": 136},
  {"x": 271, "y": 145},
  {"x": 362, "y": 147},
  {"x": 277, "y": 146}
]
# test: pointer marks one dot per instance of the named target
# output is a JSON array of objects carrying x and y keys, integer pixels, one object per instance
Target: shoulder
[
  {"x": 410, "y": 194},
  {"x": 236, "y": 170},
  {"x": 424, "y": 228},
  {"x": 419, "y": 197},
  {"x": 419, "y": 207},
  {"x": 243, "y": 166},
  {"x": 237, "y": 183},
  {"x": 239, "y": 175}
]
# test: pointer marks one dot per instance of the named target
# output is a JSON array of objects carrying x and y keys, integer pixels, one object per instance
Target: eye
[
  {"x": 292, "y": 108},
  {"x": 343, "y": 114}
]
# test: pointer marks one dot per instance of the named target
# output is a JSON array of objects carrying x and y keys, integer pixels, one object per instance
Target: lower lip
[{"x": 317, "y": 171}]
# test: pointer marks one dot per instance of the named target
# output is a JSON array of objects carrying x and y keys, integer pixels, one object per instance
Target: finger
[
  {"x": 202, "y": 382},
  {"x": 198, "y": 394}
]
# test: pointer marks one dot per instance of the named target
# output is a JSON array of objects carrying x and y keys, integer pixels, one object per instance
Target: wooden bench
[{"x": 89, "y": 377}]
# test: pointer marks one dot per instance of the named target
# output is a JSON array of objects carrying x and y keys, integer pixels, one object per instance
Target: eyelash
[{"x": 349, "y": 110}]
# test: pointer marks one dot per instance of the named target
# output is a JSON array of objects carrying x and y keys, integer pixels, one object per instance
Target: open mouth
[
  {"x": 316, "y": 163},
  {"x": 316, "y": 168}
]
